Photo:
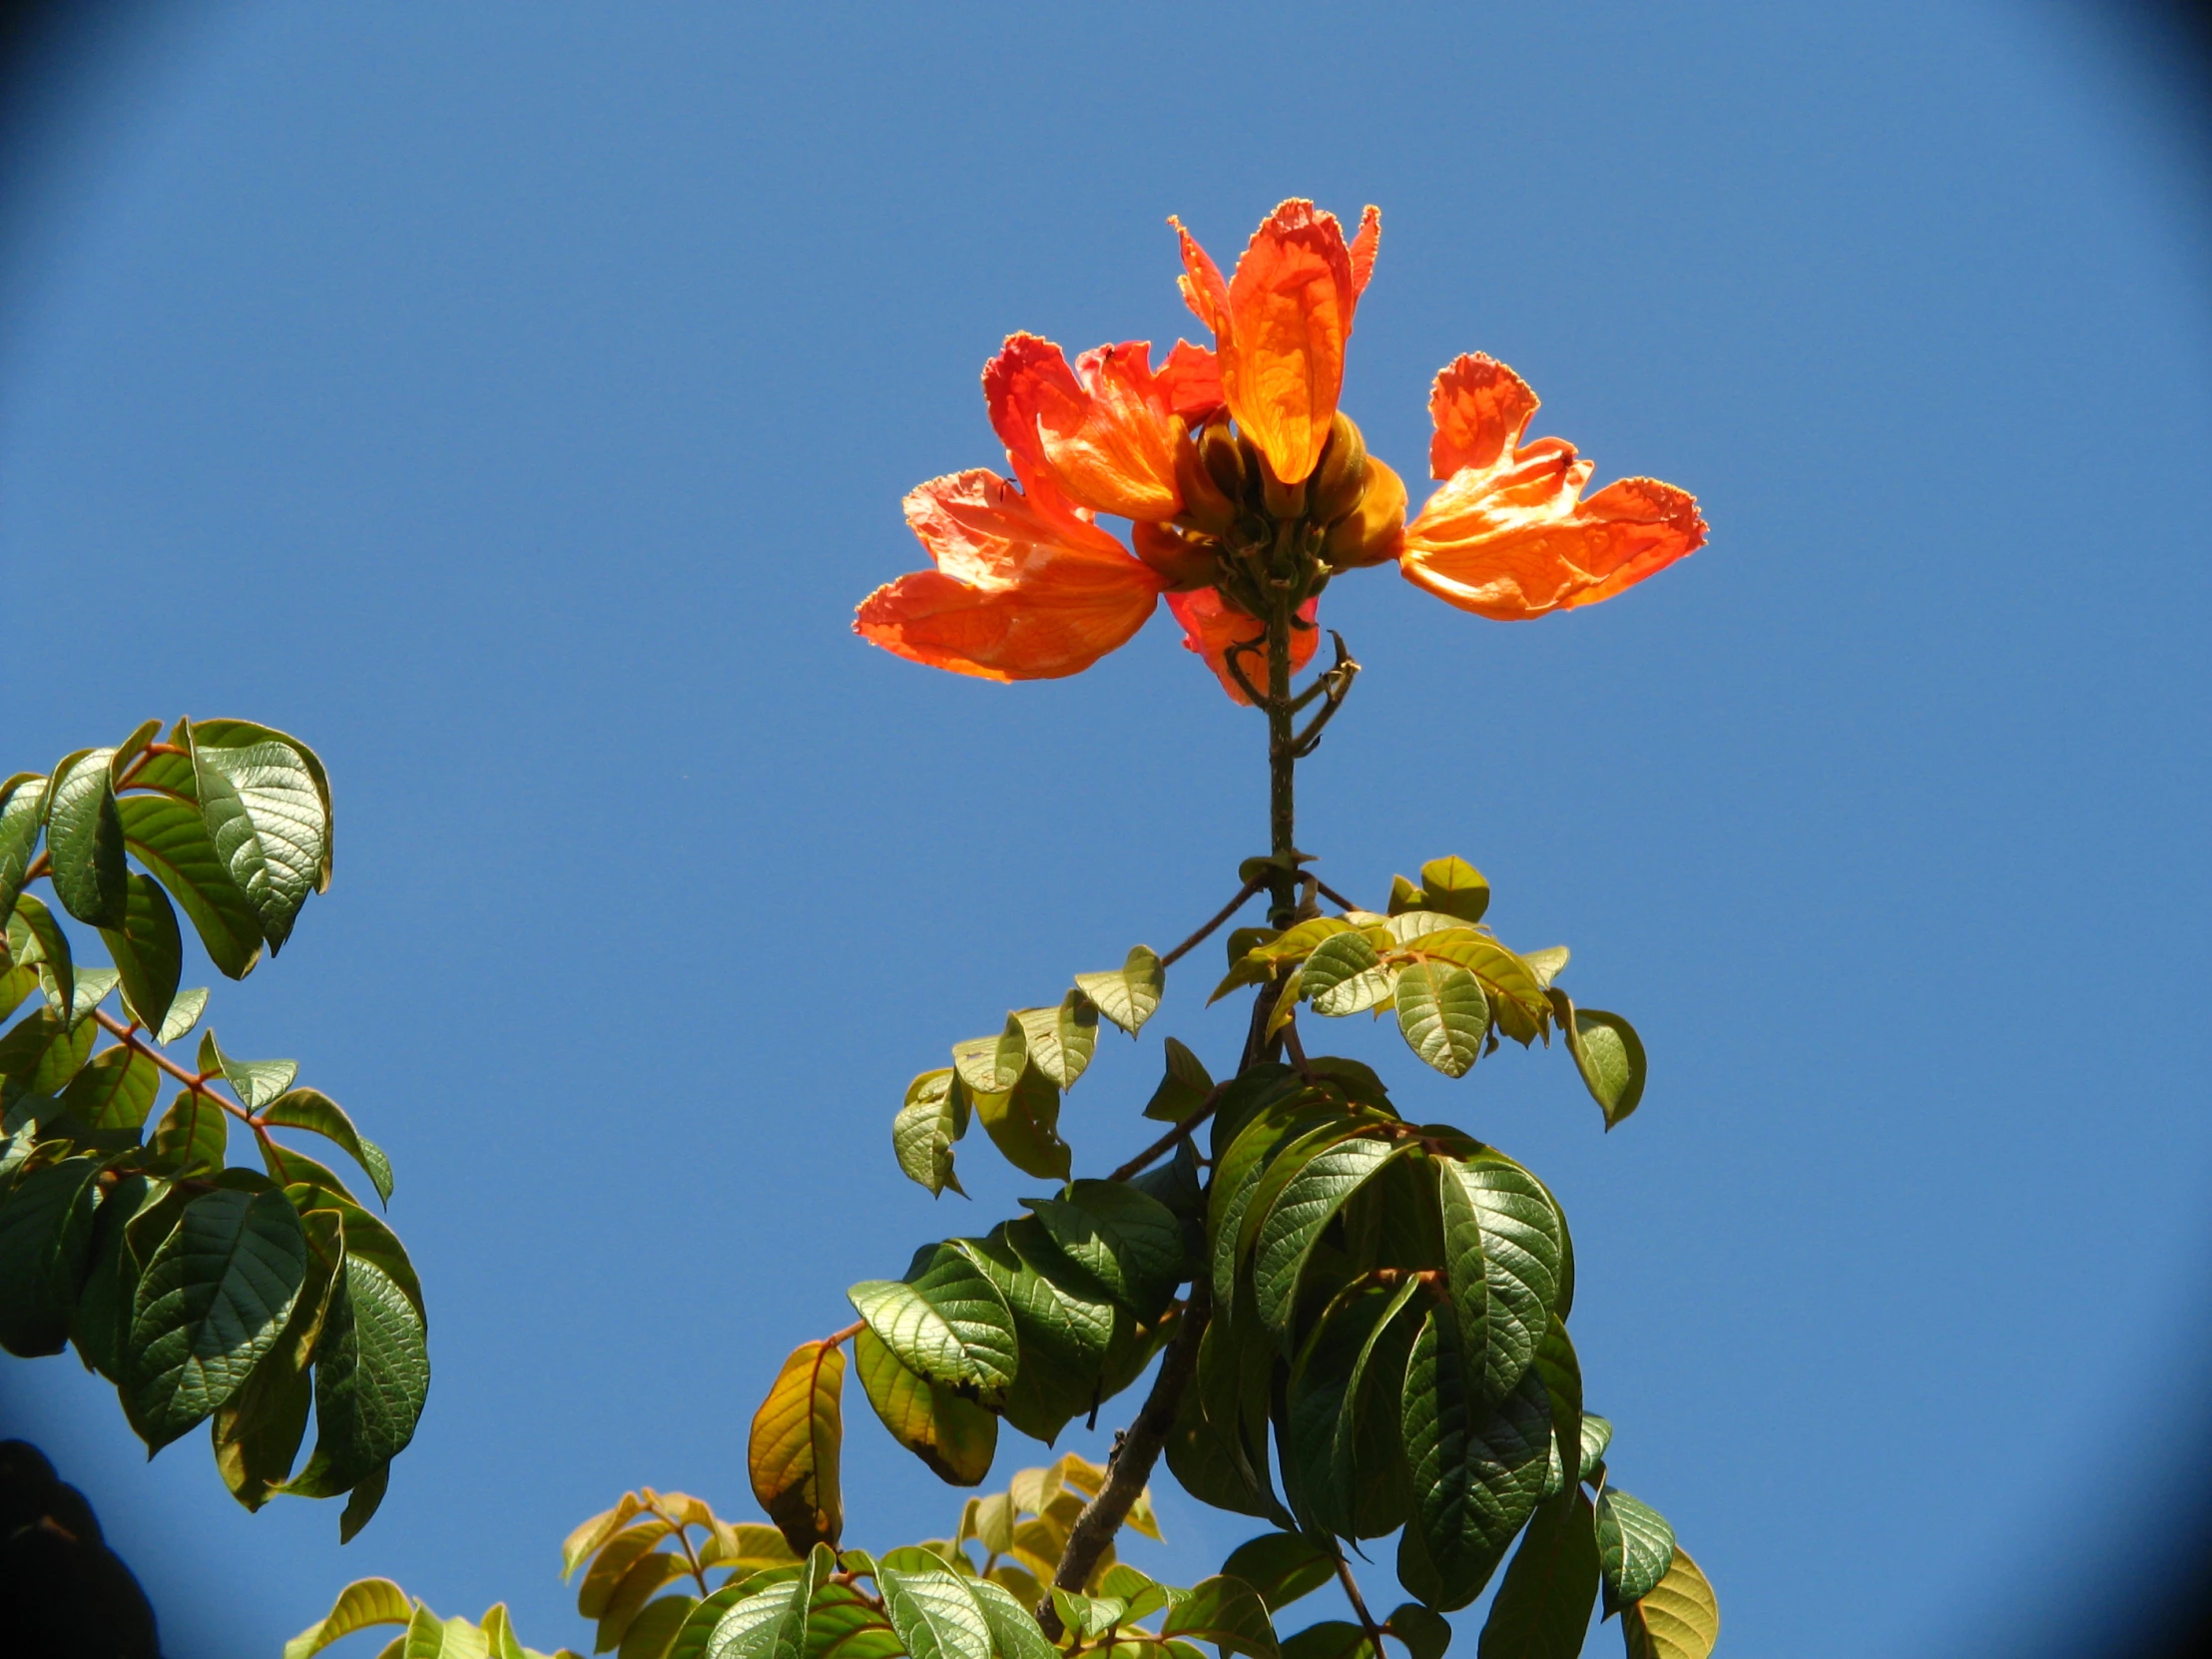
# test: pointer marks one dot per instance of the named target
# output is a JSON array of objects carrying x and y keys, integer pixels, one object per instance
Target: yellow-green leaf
[
  {"x": 1131, "y": 996},
  {"x": 797, "y": 1436},
  {"x": 1679, "y": 1619},
  {"x": 362, "y": 1604},
  {"x": 955, "y": 1437},
  {"x": 1455, "y": 887}
]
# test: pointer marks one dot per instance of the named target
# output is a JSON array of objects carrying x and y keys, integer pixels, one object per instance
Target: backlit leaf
[
  {"x": 1182, "y": 1090},
  {"x": 1225, "y": 1611},
  {"x": 361, "y": 1605},
  {"x": 1679, "y": 1619},
  {"x": 1608, "y": 1053},
  {"x": 1425, "y": 1632},
  {"x": 84, "y": 839},
  {"x": 1546, "y": 964},
  {"x": 22, "y": 817},
  {"x": 255, "y": 1082},
  {"x": 933, "y": 1118},
  {"x": 1516, "y": 1000},
  {"x": 115, "y": 1091},
  {"x": 1131, "y": 996},
  {"x": 991, "y": 1065},
  {"x": 34, "y": 937},
  {"x": 954, "y": 1438},
  {"x": 1024, "y": 1123},
  {"x": 798, "y": 1434},
  {"x": 1282, "y": 1566},
  {"x": 1330, "y": 1639},
  {"x": 184, "y": 1013},
  {"x": 1455, "y": 887},
  {"x": 192, "y": 1136},
  {"x": 1061, "y": 1039},
  {"x": 1442, "y": 1015},
  {"x": 1014, "y": 1634},
  {"x": 1343, "y": 976},
  {"x": 211, "y": 1301}
]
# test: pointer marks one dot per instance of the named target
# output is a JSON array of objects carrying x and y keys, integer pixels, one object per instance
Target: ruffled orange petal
[
  {"x": 1111, "y": 444},
  {"x": 1190, "y": 380},
  {"x": 1018, "y": 593},
  {"x": 1211, "y": 625},
  {"x": 1363, "y": 246},
  {"x": 1280, "y": 327},
  {"x": 1481, "y": 408},
  {"x": 1015, "y": 384}
]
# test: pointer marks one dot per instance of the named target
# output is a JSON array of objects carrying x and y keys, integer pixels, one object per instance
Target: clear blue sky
[{"x": 515, "y": 399}]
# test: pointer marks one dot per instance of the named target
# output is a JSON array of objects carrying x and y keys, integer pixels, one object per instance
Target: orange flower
[
  {"x": 1508, "y": 536},
  {"x": 1211, "y": 625},
  {"x": 1020, "y": 592},
  {"x": 1280, "y": 325},
  {"x": 1246, "y": 488}
]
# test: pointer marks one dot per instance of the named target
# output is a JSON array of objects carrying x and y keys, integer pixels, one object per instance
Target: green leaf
[
  {"x": 361, "y": 1605},
  {"x": 1131, "y": 996},
  {"x": 956, "y": 1438},
  {"x": 699, "y": 1624},
  {"x": 101, "y": 1324},
  {"x": 46, "y": 1236},
  {"x": 314, "y": 1110},
  {"x": 1130, "y": 1244},
  {"x": 1330, "y": 1639},
  {"x": 211, "y": 1301},
  {"x": 934, "y": 1615},
  {"x": 1455, "y": 887},
  {"x": 646, "y": 1577},
  {"x": 1679, "y": 1619},
  {"x": 184, "y": 1013},
  {"x": 149, "y": 951},
  {"x": 84, "y": 839},
  {"x": 1308, "y": 1202},
  {"x": 1560, "y": 1371},
  {"x": 115, "y": 1091},
  {"x": 372, "y": 1374},
  {"x": 1024, "y": 1124},
  {"x": 1442, "y": 1015},
  {"x": 1225, "y": 1611},
  {"x": 1064, "y": 1324},
  {"x": 1282, "y": 1566},
  {"x": 842, "y": 1622},
  {"x": 22, "y": 817},
  {"x": 949, "y": 1323},
  {"x": 1425, "y": 1632},
  {"x": 266, "y": 806},
  {"x": 1503, "y": 1246},
  {"x": 935, "y": 1116},
  {"x": 1476, "y": 1471},
  {"x": 1182, "y": 1090},
  {"x": 1597, "y": 1434},
  {"x": 649, "y": 1634},
  {"x": 309, "y": 1186},
  {"x": 1141, "y": 1594},
  {"x": 34, "y": 937},
  {"x": 1014, "y": 1634},
  {"x": 992, "y": 1065},
  {"x": 1404, "y": 895},
  {"x": 1343, "y": 976},
  {"x": 1542, "y": 1609},
  {"x": 1635, "y": 1547},
  {"x": 167, "y": 836},
  {"x": 257, "y": 1430},
  {"x": 1061, "y": 1040},
  {"x": 1089, "y": 1617},
  {"x": 1367, "y": 1451},
  {"x": 255, "y": 1082},
  {"x": 1608, "y": 1052},
  {"x": 192, "y": 1137},
  {"x": 768, "y": 1625},
  {"x": 796, "y": 1444},
  {"x": 39, "y": 1056}
]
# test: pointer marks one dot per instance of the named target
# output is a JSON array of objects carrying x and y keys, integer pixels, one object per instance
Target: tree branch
[{"x": 1226, "y": 912}]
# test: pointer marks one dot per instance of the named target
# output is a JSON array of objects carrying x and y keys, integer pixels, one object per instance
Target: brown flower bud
[
  {"x": 1342, "y": 475},
  {"x": 1375, "y": 529},
  {"x": 1228, "y": 462},
  {"x": 1187, "y": 562},
  {"x": 1282, "y": 501},
  {"x": 1205, "y": 506}
]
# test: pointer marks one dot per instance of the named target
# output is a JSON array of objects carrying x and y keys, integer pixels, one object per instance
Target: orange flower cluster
[{"x": 1244, "y": 483}]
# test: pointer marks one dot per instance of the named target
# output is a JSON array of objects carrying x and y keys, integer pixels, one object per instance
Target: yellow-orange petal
[
  {"x": 1211, "y": 625},
  {"x": 1514, "y": 563},
  {"x": 1290, "y": 308},
  {"x": 1018, "y": 593},
  {"x": 1190, "y": 382},
  {"x": 1481, "y": 408},
  {"x": 1111, "y": 442}
]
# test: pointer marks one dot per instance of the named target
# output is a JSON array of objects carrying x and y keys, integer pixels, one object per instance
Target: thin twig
[
  {"x": 1297, "y": 1048},
  {"x": 683, "y": 1542},
  {"x": 1166, "y": 1143},
  {"x": 847, "y": 1334},
  {"x": 1358, "y": 1604},
  {"x": 1227, "y": 910},
  {"x": 196, "y": 1081},
  {"x": 1333, "y": 896},
  {"x": 1229, "y": 661}
]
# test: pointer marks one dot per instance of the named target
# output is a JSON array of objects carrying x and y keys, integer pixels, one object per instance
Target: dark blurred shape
[{"x": 64, "y": 1594}]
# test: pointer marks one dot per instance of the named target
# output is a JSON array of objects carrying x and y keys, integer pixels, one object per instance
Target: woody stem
[{"x": 1282, "y": 770}]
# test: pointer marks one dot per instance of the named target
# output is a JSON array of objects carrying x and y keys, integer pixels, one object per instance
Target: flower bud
[
  {"x": 1227, "y": 461},
  {"x": 1342, "y": 475},
  {"x": 1205, "y": 506},
  {"x": 1282, "y": 501},
  {"x": 1375, "y": 529},
  {"x": 1187, "y": 562}
]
